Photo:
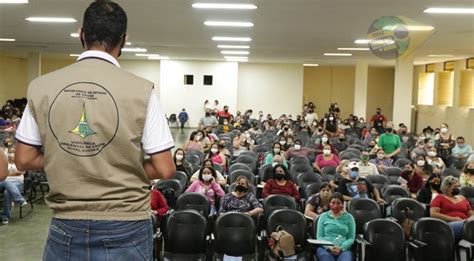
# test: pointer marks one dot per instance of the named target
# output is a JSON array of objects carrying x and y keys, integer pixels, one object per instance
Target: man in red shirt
[
  {"x": 378, "y": 120},
  {"x": 223, "y": 115}
]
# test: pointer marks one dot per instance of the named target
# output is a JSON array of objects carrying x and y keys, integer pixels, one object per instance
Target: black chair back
[
  {"x": 298, "y": 160},
  {"x": 195, "y": 201},
  {"x": 451, "y": 172},
  {"x": 363, "y": 210},
  {"x": 182, "y": 178},
  {"x": 277, "y": 201},
  {"x": 248, "y": 160},
  {"x": 392, "y": 192},
  {"x": 393, "y": 173},
  {"x": 265, "y": 172},
  {"x": 298, "y": 168},
  {"x": 386, "y": 239},
  {"x": 378, "y": 181},
  {"x": 400, "y": 205},
  {"x": 235, "y": 235},
  {"x": 291, "y": 220},
  {"x": 312, "y": 188},
  {"x": 185, "y": 235},
  {"x": 438, "y": 237},
  {"x": 239, "y": 165},
  {"x": 400, "y": 163},
  {"x": 305, "y": 179}
]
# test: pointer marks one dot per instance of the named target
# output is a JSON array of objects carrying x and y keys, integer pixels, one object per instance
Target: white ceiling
[{"x": 291, "y": 31}]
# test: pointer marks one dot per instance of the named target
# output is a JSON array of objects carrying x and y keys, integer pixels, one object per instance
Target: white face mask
[
  {"x": 420, "y": 163},
  {"x": 421, "y": 146},
  {"x": 297, "y": 146},
  {"x": 444, "y": 130},
  {"x": 327, "y": 152},
  {"x": 276, "y": 150},
  {"x": 380, "y": 156},
  {"x": 324, "y": 139},
  {"x": 282, "y": 142},
  {"x": 331, "y": 118},
  {"x": 207, "y": 177},
  {"x": 214, "y": 150},
  {"x": 179, "y": 157},
  {"x": 247, "y": 135},
  {"x": 432, "y": 153}
]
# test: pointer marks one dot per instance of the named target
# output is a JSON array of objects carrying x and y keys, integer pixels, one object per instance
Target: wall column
[
  {"x": 403, "y": 91},
  {"x": 360, "y": 89},
  {"x": 34, "y": 66}
]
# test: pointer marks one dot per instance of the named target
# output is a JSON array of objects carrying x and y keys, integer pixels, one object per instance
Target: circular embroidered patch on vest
[{"x": 83, "y": 118}]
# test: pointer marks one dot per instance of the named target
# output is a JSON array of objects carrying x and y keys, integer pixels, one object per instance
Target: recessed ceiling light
[
  {"x": 231, "y": 39},
  {"x": 7, "y": 40},
  {"x": 311, "y": 64},
  {"x": 337, "y": 54},
  {"x": 229, "y": 24},
  {"x": 409, "y": 27},
  {"x": 235, "y": 52},
  {"x": 13, "y": 1},
  {"x": 51, "y": 19},
  {"x": 440, "y": 55},
  {"x": 75, "y": 35},
  {"x": 442, "y": 10},
  {"x": 128, "y": 43},
  {"x": 74, "y": 55},
  {"x": 362, "y": 41},
  {"x": 353, "y": 49},
  {"x": 134, "y": 50},
  {"x": 233, "y": 46},
  {"x": 374, "y": 41},
  {"x": 235, "y": 57},
  {"x": 158, "y": 58},
  {"x": 147, "y": 54},
  {"x": 223, "y": 6}
]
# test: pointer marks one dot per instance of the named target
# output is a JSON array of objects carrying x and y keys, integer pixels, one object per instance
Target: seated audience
[
  {"x": 207, "y": 185},
  {"x": 276, "y": 151},
  {"x": 430, "y": 190},
  {"x": 11, "y": 188},
  {"x": 341, "y": 144},
  {"x": 217, "y": 157},
  {"x": 193, "y": 143},
  {"x": 242, "y": 142},
  {"x": 419, "y": 150},
  {"x": 436, "y": 163},
  {"x": 324, "y": 142},
  {"x": 280, "y": 183},
  {"x": 298, "y": 151},
  {"x": 381, "y": 162},
  {"x": 422, "y": 167},
  {"x": 223, "y": 148},
  {"x": 414, "y": 180},
  {"x": 338, "y": 227},
  {"x": 462, "y": 150},
  {"x": 327, "y": 159},
  {"x": 451, "y": 207},
  {"x": 159, "y": 207},
  {"x": 181, "y": 163},
  {"x": 365, "y": 167},
  {"x": 467, "y": 175},
  {"x": 241, "y": 200},
  {"x": 318, "y": 203},
  {"x": 208, "y": 163},
  {"x": 354, "y": 186}
]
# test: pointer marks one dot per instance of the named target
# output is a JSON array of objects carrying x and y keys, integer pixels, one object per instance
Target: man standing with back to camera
[{"x": 88, "y": 126}]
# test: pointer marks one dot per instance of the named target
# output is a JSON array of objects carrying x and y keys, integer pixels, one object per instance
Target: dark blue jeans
[{"x": 99, "y": 240}]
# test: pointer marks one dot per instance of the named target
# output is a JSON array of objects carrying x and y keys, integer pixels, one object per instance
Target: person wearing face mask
[
  {"x": 327, "y": 159},
  {"x": 365, "y": 167},
  {"x": 208, "y": 164},
  {"x": 354, "y": 186},
  {"x": 390, "y": 142},
  {"x": 208, "y": 121},
  {"x": 414, "y": 180},
  {"x": 324, "y": 142},
  {"x": 298, "y": 150},
  {"x": 436, "y": 163},
  {"x": 330, "y": 125},
  {"x": 225, "y": 127},
  {"x": 467, "y": 175},
  {"x": 430, "y": 190},
  {"x": 318, "y": 203},
  {"x": 378, "y": 120},
  {"x": 338, "y": 227},
  {"x": 181, "y": 163},
  {"x": 255, "y": 129},
  {"x": 241, "y": 200},
  {"x": 311, "y": 117},
  {"x": 194, "y": 142},
  {"x": 371, "y": 135},
  {"x": 420, "y": 148},
  {"x": 207, "y": 185},
  {"x": 341, "y": 144},
  {"x": 217, "y": 157},
  {"x": 276, "y": 151},
  {"x": 280, "y": 183},
  {"x": 223, "y": 148},
  {"x": 462, "y": 150},
  {"x": 223, "y": 115},
  {"x": 451, "y": 207},
  {"x": 422, "y": 167},
  {"x": 242, "y": 142},
  {"x": 445, "y": 144},
  {"x": 381, "y": 162}
]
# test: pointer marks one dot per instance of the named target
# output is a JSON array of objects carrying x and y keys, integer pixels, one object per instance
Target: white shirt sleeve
[
  {"x": 28, "y": 132},
  {"x": 156, "y": 133}
]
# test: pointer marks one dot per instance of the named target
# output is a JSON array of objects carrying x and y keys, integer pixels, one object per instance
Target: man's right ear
[{"x": 82, "y": 38}]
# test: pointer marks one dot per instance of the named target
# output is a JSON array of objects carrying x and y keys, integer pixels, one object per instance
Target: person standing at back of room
[{"x": 88, "y": 126}]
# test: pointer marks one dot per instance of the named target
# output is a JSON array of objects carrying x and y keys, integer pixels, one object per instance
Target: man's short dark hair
[{"x": 104, "y": 24}]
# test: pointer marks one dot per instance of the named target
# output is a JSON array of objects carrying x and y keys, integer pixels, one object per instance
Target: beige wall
[
  {"x": 380, "y": 84},
  {"x": 324, "y": 85},
  {"x": 13, "y": 78},
  {"x": 459, "y": 119},
  {"x": 51, "y": 65}
]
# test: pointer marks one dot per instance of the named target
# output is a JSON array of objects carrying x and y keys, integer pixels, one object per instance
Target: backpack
[
  {"x": 282, "y": 243},
  {"x": 169, "y": 194},
  {"x": 173, "y": 117},
  {"x": 407, "y": 222}
]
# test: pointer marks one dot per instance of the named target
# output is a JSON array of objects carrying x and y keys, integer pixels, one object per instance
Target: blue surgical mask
[{"x": 353, "y": 174}]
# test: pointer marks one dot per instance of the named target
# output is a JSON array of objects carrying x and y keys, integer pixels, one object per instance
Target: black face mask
[
  {"x": 455, "y": 191},
  {"x": 240, "y": 188},
  {"x": 435, "y": 186},
  {"x": 208, "y": 114},
  {"x": 286, "y": 128},
  {"x": 341, "y": 140},
  {"x": 280, "y": 176},
  {"x": 389, "y": 129},
  {"x": 470, "y": 171}
]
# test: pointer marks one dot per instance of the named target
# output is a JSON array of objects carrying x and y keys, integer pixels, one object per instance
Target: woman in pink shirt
[
  {"x": 207, "y": 185},
  {"x": 326, "y": 159}
]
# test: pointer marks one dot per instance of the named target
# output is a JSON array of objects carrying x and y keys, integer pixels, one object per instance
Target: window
[
  {"x": 207, "y": 80},
  {"x": 188, "y": 79}
]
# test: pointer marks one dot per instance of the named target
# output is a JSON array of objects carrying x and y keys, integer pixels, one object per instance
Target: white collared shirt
[{"x": 156, "y": 133}]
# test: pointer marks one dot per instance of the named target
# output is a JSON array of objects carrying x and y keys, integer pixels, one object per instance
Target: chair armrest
[
  {"x": 360, "y": 240},
  {"x": 465, "y": 244}
]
